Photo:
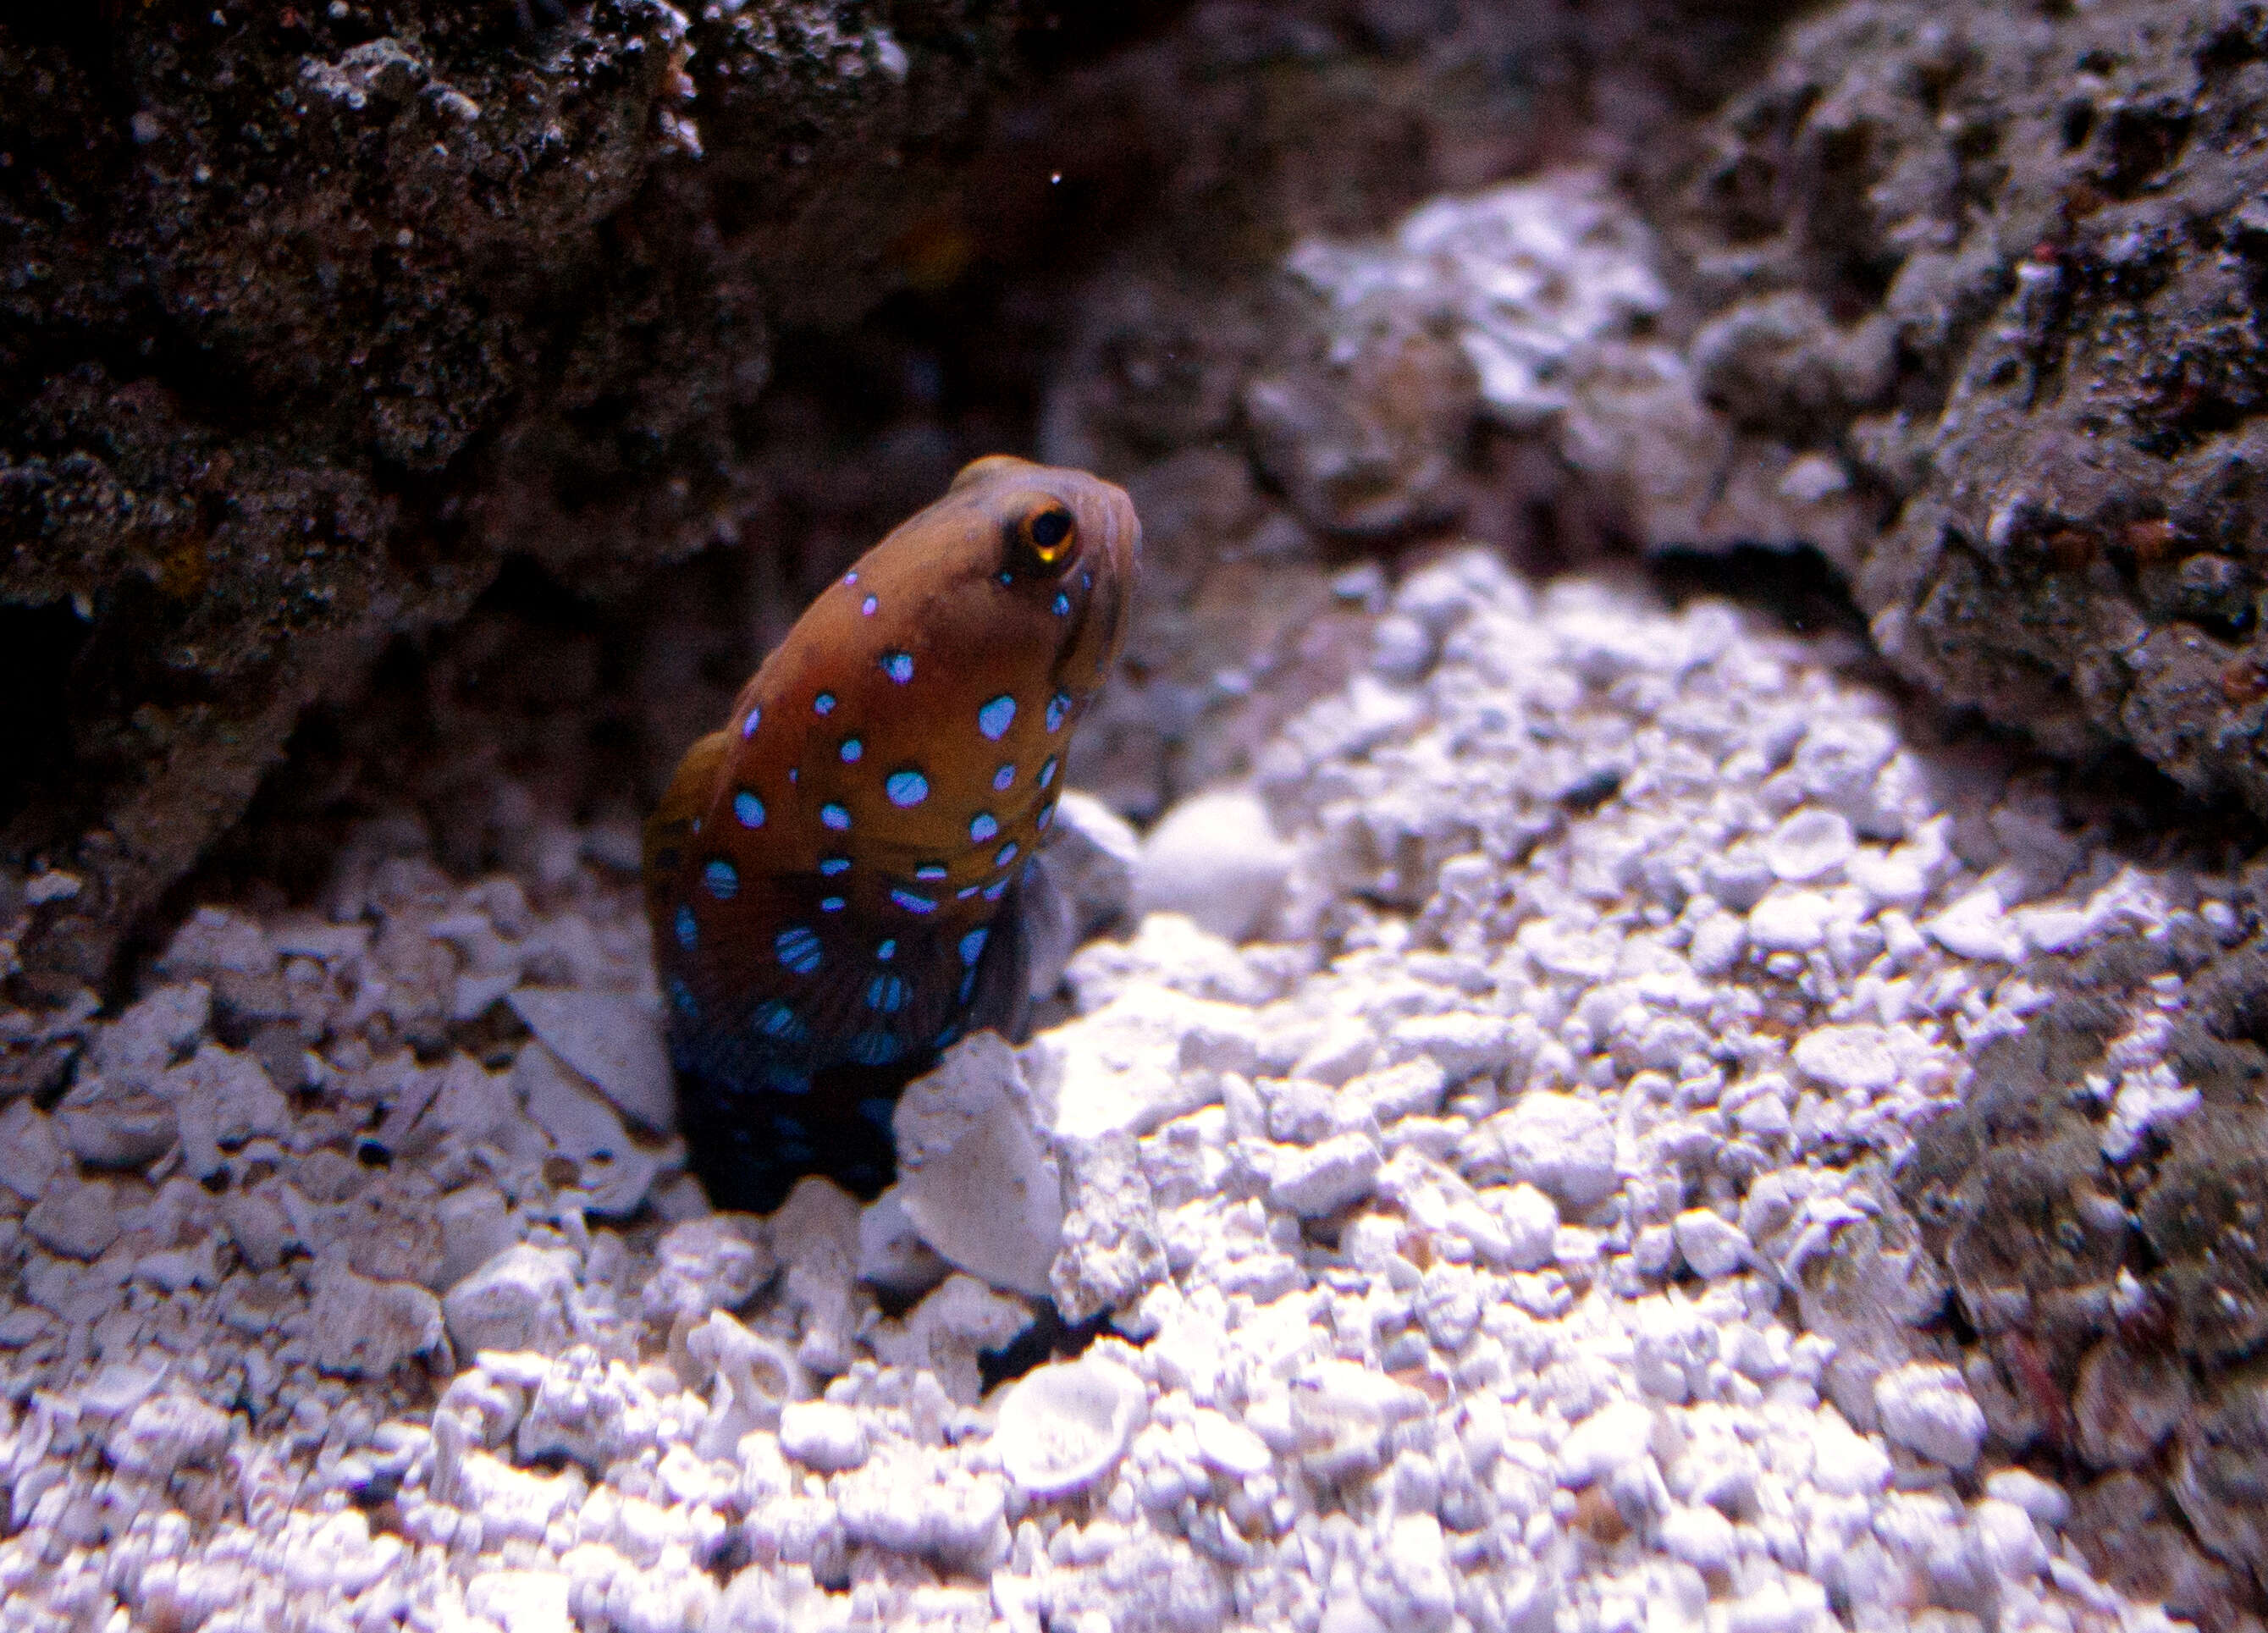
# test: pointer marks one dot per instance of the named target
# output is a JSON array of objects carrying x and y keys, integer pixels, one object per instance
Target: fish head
[{"x": 1021, "y": 566}]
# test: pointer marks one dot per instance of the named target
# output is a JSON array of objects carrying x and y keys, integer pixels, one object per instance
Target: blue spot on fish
[
  {"x": 834, "y": 817},
  {"x": 824, "y": 704},
  {"x": 832, "y": 866},
  {"x": 886, "y": 993},
  {"x": 1063, "y": 604},
  {"x": 997, "y": 716},
  {"x": 1008, "y": 853},
  {"x": 1003, "y": 777},
  {"x": 1047, "y": 815},
  {"x": 888, "y": 951},
  {"x": 983, "y": 825},
  {"x": 968, "y": 985},
  {"x": 852, "y": 577},
  {"x": 775, "y": 1019},
  {"x": 852, "y": 748},
  {"x": 911, "y": 902},
  {"x": 723, "y": 880},
  {"x": 868, "y": 606},
  {"x": 899, "y": 666},
  {"x": 930, "y": 870},
  {"x": 875, "y": 1049},
  {"x": 748, "y": 809},
  {"x": 681, "y": 998},
  {"x": 996, "y": 889},
  {"x": 688, "y": 932},
  {"x": 972, "y": 945},
  {"x": 798, "y": 947},
  {"x": 906, "y": 788},
  {"x": 1048, "y": 772},
  {"x": 830, "y": 904},
  {"x": 1058, "y": 706},
  {"x": 748, "y": 726}
]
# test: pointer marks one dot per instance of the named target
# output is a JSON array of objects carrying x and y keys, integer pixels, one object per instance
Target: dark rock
[
  {"x": 2009, "y": 262},
  {"x": 310, "y": 317},
  {"x": 2119, "y": 1304}
]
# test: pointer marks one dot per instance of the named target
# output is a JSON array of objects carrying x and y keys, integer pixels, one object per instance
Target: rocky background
[
  {"x": 429, "y": 412},
  {"x": 316, "y": 317}
]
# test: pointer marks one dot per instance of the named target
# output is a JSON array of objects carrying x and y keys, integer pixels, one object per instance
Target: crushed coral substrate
[{"x": 1502, "y": 1240}]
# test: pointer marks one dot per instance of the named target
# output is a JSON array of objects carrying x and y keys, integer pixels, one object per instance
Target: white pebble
[
  {"x": 1313, "y": 1180},
  {"x": 1717, "y": 942},
  {"x": 2008, "y": 1540},
  {"x": 614, "y": 1041},
  {"x": 1793, "y": 922},
  {"x": 1530, "y": 1221},
  {"x": 1610, "y": 1438},
  {"x": 165, "y": 1432},
  {"x": 1711, "y": 1245},
  {"x": 516, "y": 1301},
  {"x": 1810, "y": 844},
  {"x": 1845, "y": 1463},
  {"x": 1926, "y": 1406},
  {"x": 820, "y": 1435},
  {"x": 1846, "y": 1057},
  {"x": 2044, "y": 1500},
  {"x": 1977, "y": 927},
  {"x": 972, "y": 1176},
  {"x": 1700, "y": 1536},
  {"x": 1562, "y": 1145},
  {"x": 1461, "y": 1042},
  {"x": 1215, "y": 859},
  {"x": 1228, "y": 1445}
]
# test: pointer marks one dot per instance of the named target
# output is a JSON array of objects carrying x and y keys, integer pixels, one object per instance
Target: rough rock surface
[
  {"x": 2093, "y": 1201},
  {"x": 308, "y": 316},
  {"x": 2000, "y": 271},
  {"x": 307, "y": 322},
  {"x": 1262, "y": 424}
]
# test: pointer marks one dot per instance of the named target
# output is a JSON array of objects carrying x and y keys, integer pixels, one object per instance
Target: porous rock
[
  {"x": 363, "y": 1328},
  {"x": 518, "y": 1300},
  {"x": 2048, "y": 382},
  {"x": 324, "y": 202},
  {"x": 973, "y": 1175},
  {"x": 1111, "y": 1253}
]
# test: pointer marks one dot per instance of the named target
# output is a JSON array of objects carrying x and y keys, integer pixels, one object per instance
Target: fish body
[{"x": 835, "y": 877}]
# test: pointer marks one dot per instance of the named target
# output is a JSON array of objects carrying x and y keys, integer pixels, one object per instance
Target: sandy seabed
[{"x": 1499, "y": 1239}]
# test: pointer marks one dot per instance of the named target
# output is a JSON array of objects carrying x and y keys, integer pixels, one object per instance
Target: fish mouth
[{"x": 1122, "y": 535}]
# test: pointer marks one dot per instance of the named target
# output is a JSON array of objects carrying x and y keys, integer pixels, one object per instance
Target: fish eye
[{"x": 1041, "y": 541}]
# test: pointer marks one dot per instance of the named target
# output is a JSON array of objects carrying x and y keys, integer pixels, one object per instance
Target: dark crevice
[
  {"x": 1796, "y": 587},
  {"x": 1049, "y": 1338},
  {"x": 38, "y": 646}
]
